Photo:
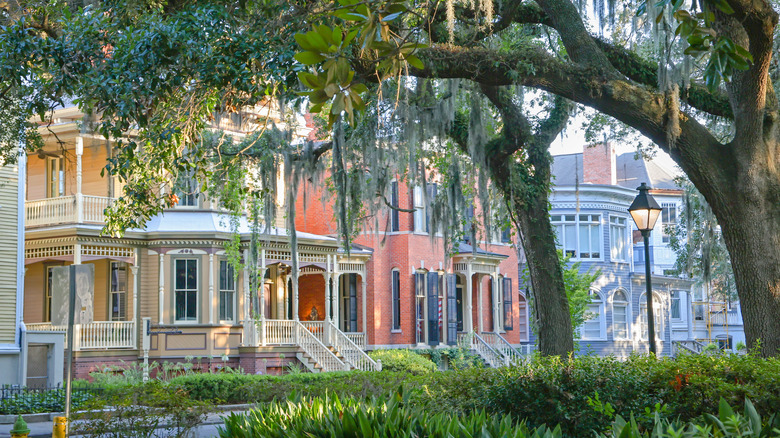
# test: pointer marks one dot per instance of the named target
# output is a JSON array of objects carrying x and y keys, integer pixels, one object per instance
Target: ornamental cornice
[{"x": 588, "y": 206}]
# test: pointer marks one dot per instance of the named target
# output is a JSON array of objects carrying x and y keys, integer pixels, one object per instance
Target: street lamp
[{"x": 644, "y": 210}]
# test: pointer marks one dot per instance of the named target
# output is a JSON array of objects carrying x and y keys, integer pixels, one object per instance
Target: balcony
[
  {"x": 74, "y": 209},
  {"x": 98, "y": 335}
]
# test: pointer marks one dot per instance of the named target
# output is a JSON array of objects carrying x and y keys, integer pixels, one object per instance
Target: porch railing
[
  {"x": 317, "y": 350},
  {"x": 358, "y": 338},
  {"x": 66, "y": 209},
  {"x": 99, "y": 335},
  {"x": 475, "y": 342},
  {"x": 317, "y": 328},
  {"x": 694, "y": 347},
  {"x": 502, "y": 346},
  {"x": 352, "y": 353},
  {"x": 280, "y": 332}
]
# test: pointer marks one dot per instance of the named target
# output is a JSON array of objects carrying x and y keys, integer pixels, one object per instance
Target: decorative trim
[{"x": 188, "y": 251}]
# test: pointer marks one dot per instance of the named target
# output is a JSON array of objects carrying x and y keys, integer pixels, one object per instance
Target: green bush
[
  {"x": 403, "y": 361},
  {"x": 14, "y": 403}
]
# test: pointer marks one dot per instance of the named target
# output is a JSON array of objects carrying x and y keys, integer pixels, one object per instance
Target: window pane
[
  {"x": 181, "y": 275},
  {"x": 584, "y": 242},
  {"x": 192, "y": 281},
  {"x": 595, "y": 242},
  {"x": 570, "y": 240}
]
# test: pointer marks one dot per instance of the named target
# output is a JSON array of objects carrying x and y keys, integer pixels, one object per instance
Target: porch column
[
  {"x": 161, "y": 294},
  {"x": 480, "y": 325},
  {"x": 336, "y": 300},
  {"x": 296, "y": 273},
  {"x": 76, "y": 253},
  {"x": 497, "y": 326},
  {"x": 468, "y": 323},
  {"x": 327, "y": 275},
  {"x": 79, "y": 197},
  {"x": 364, "y": 283},
  {"x": 245, "y": 339},
  {"x": 136, "y": 294},
  {"x": 261, "y": 292},
  {"x": 211, "y": 288}
]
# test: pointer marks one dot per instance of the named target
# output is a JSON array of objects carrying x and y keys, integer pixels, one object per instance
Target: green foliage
[
  {"x": 400, "y": 360},
  {"x": 392, "y": 416},
  {"x": 149, "y": 410},
  {"x": 15, "y": 403},
  {"x": 577, "y": 286}
]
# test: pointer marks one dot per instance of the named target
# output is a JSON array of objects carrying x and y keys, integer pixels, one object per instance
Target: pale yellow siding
[{"x": 9, "y": 216}]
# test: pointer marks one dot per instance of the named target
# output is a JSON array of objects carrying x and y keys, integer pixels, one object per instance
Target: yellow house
[{"x": 167, "y": 292}]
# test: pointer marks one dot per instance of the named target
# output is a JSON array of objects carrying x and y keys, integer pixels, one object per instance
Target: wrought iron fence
[{"x": 29, "y": 400}]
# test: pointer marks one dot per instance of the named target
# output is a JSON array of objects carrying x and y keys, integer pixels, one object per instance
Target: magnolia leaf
[
  {"x": 415, "y": 62},
  {"x": 309, "y": 58}
]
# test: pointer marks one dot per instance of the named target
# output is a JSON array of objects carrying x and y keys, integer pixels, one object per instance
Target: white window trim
[
  {"x": 602, "y": 320},
  {"x": 419, "y": 215},
  {"x": 111, "y": 293},
  {"x": 197, "y": 291},
  {"x": 628, "y": 314},
  {"x": 220, "y": 290},
  {"x": 576, "y": 224},
  {"x": 664, "y": 235},
  {"x": 627, "y": 240},
  {"x": 682, "y": 306}
]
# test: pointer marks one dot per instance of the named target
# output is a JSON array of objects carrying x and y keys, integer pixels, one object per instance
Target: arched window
[
  {"x": 595, "y": 322},
  {"x": 620, "y": 315},
  {"x": 657, "y": 316}
]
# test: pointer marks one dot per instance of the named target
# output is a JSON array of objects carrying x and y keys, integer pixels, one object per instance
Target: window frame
[
  {"x": 602, "y": 318},
  {"x": 176, "y": 290},
  {"x": 195, "y": 194},
  {"x": 122, "y": 266},
  {"x": 61, "y": 177},
  {"x": 395, "y": 217},
  {"x": 675, "y": 295},
  {"x": 233, "y": 278},
  {"x": 665, "y": 237},
  {"x": 626, "y": 228},
  {"x": 395, "y": 300},
  {"x": 577, "y": 223},
  {"x": 621, "y": 303}
]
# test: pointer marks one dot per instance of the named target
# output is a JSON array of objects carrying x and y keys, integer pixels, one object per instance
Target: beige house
[{"x": 167, "y": 292}]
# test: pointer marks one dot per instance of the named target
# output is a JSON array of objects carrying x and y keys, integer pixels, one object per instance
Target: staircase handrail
[
  {"x": 491, "y": 356},
  {"x": 692, "y": 346},
  {"x": 503, "y": 346},
  {"x": 317, "y": 350},
  {"x": 352, "y": 354}
]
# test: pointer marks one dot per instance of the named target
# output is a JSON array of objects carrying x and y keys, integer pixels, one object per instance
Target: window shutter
[
  {"x": 433, "y": 308},
  {"x": 508, "y": 294},
  {"x": 394, "y": 219},
  {"x": 452, "y": 310}
]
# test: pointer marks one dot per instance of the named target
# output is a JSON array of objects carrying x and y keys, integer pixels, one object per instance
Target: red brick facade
[
  {"x": 598, "y": 164},
  {"x": 407, "y": 251}
]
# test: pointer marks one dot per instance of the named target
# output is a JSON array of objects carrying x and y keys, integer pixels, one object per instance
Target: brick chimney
[{"x": 598, "y": 164}]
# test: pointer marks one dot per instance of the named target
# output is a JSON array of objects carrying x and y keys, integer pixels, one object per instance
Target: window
[
  {"x": 422, "y": 213},
  {"x": 419, "y": 324},
  {"x": 55, "y": 177},
  {"x": 187, "y": 190},
  {"x": 579, "y": 236},
  {"x": 118, "y": 291},
  {"x": 396, "y": 294},
  {"x": 186, "y": 289},
  {"x": 459, "y": 303},
  {"x": 508, "y": 293},
  {"x": 657, "y": 320},
  {"x": 395, "y": 224},
  {"x": 47, "y": 294},
  {"x": 620, "y": 315},
  {"x": 668, "y": 219},
  {"x": 227, "y": 291},
  {"x": 592, "y": 328},
  {"x": 348, "y": 309},
  {"x": 618, "y": 238},
  {"x": 675, "y": 295}
]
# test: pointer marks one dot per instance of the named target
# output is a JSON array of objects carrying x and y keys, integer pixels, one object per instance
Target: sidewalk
[{"x": 43, "y": 429}]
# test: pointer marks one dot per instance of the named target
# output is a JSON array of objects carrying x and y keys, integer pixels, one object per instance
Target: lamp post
[{"x": 645, "y": 210}]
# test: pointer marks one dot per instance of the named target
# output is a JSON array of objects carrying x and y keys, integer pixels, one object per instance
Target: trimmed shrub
[{"x": 403, "y": 361}]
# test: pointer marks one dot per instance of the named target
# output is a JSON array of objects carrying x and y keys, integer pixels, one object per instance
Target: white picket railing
[
  {"x": 502, "y": 346},
  {"x": 317, "y": 350},
  {"x": 475, "y": 342},
  {"x": 352, "y": 353},
  {"x": 65, "y": 209},
  {"x": 317, "y": 328},
  {"x": 358, "y": 338},
  {"x": 94, "y": 207},
  {"x": 50, "y": 211},
  {"x": 99, "y": 335},
  {"x": 279, "y": 332}
]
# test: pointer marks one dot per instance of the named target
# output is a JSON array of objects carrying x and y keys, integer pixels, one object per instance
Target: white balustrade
[
  {"x": 279, "y": 332},
  {"x": 475, "y": 342},
  {"x": 358, "y": 338},
  {"x": 44, "y": 327},
  {"x": 99, "y": 335},
  {"x": 352, "y": 353},
  {"x": 317, "y": 328},
  {"x": 317, "y": 350},
  {"x": 64, "y": 209},
  {"x": 502, "y": 346}
]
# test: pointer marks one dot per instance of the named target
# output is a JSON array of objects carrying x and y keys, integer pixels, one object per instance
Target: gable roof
[{"x": 567, "y": 170}]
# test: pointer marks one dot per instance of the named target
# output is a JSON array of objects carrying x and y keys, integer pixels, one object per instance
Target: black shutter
[
  {"x": 353, "y": 303},
  {"x": 396, "y": 300},
  {"x": 394, "y": 219},
  {"x": 452, "y": 310},
  {"x": 433, "y": 308},
  {"x": 289, "y": 300},
  {"x": 508, "y": 293},
  {"x": 432, "y": 191}
]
